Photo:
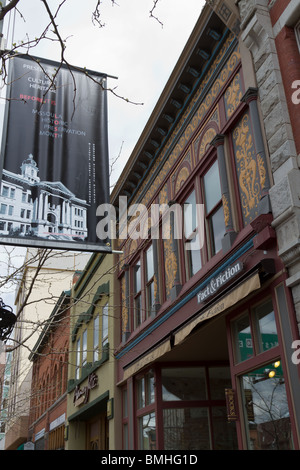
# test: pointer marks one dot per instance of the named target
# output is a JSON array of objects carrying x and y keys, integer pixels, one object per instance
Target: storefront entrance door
[{"x": 97, "y": 434}]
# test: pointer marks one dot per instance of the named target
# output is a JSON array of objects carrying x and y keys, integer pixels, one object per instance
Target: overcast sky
[
  {"x": 132, "y": 46},
  {"x": 137, "y": 49}
]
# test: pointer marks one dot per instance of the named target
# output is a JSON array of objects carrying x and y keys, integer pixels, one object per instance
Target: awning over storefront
[
  {"x": 227, "y": 301},
  {"x": 151, "y": 357}
]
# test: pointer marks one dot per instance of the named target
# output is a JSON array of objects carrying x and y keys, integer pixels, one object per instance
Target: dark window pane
[
  {"x": 186, "y": 429},
  {"x": 183, "y": 384},
  {"x": 218, "y": 229}
]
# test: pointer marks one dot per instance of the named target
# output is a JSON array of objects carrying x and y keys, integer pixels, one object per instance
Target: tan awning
[
  {"x": 237, "y": 294},
  {"x": 228, "y": 301},
  {"x": 152, "y": 356}
]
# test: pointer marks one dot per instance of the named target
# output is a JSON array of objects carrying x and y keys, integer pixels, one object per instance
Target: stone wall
[{"x": 258, "y": 35}]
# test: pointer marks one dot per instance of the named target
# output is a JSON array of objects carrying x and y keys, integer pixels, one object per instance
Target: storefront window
[
  {"x": 141, "y": 392},
  {"x": 125, "y": 420},
  {"x": 267, "y": 417},
  {"x": 145, "y": 390},
  {"x": 224, "y": 432},
  {"x": 125, "y": 406},
  {"x": 150, "y": 396},
  {"x": 183, "y": 384},
  {"x": 125, "y": 437},
  {"x": 242, "y": 338},
  {"x": 147, "y": 433},
  {"x": 263, "y": 336},
  {"x": 266, "y": 327},
  {"x": 219, "y": 380},
  {"x": 186, "y": 429}
]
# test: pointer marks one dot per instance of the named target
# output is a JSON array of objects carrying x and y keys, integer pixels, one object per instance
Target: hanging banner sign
[{"x": 54, "y": 156}]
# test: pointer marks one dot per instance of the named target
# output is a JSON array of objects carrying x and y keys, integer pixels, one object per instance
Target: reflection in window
[
  {"x": 242, "y": 338},
  {"x": 96, "y": 339},
  {"x": 147, "y": 434},
  {"x": 183, "y": 384},
  {"x": 137, "y": 295},
  {"x": 78, "y": 352},
  {"x": 186, "y": 429},
  {"x": 224, "y": 433},
  {"x": 214, "y": 208},
  {"x": 84, "y": 347},
  {"x": 191, "y": 236},
  {"x": 141, "y": 392},
  {"x": 266, "y": 326},
  {"x": 267, "y": 414},
  {"x": 145, "y": 390},
  {"x": 149, "y": 282},
  {"x": 105, "y": 325},
  {"x": 219, "y": 379}
]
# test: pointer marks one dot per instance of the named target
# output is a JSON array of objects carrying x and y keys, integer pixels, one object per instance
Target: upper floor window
[
  {"x": 78, "y": 354},
  {"x": 143, "y": 287},
  {"x": 149, "y": 281},
  {"x": 84, "y": 348},
  {"x": 191, "y": 236},
  {"x": 204, "y": 224},
  {"x": 96, "y": 339},
  {"x": 137, "y": 288},
  {"x": 214, "y": 212},
  {"x": 145, "y": 390},
  {"x": 5, "y": 191},
  {"x": 105, "y": 325}
]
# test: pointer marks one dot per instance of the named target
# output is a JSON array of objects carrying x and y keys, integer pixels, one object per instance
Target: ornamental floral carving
[
  {"x": 247, "y": 169},
  {"x": 171, "y": 265},
  {"x": 233, "y": 96}
]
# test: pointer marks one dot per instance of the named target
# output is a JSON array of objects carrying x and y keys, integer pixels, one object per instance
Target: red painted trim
[{"x": 258, "y": 359}]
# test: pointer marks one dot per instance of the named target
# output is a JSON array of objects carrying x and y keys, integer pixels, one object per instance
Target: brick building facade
[{"x": 48, "y": 406}]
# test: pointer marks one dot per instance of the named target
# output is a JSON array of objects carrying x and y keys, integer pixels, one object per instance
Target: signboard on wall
[{"x": 54, "y": 156}]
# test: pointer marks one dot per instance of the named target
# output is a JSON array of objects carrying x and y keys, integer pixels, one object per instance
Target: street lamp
[{"x": 7, "y": 320}]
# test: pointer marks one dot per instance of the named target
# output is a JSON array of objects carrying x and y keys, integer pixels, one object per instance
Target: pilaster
[{"x": 258, "y": 35}]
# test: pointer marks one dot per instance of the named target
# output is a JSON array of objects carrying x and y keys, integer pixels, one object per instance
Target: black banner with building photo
[{"x": 54, "y": 156}]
